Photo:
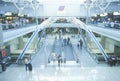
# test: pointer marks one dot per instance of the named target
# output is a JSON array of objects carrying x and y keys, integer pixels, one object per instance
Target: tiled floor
[{"x": 86, "y": 70}]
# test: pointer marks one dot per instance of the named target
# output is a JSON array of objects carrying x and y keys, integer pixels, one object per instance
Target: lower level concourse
[
  {"x": 59, "y": 40},
  {"x": 86, "y": 69}
]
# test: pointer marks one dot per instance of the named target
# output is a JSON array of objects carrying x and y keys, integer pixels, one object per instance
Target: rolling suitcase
[
  {"x": 30, "y": 67},
  {"x": 3, "y": 66},
  {"x": 0, "y": 68}
]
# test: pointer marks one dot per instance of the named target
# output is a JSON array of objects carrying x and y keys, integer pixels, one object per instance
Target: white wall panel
[{"x": 69, "y": 10}]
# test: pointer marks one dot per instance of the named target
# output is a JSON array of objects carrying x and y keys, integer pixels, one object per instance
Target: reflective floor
[{"x": 86, "y": 70}]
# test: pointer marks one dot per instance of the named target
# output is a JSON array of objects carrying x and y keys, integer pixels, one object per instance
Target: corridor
[{"x": 86, "y": 70}]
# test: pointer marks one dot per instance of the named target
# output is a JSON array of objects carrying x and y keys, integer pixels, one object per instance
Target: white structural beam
[{"x": 60, "y": 1}]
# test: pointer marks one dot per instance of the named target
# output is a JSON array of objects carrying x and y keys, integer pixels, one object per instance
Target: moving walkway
[
  {"x": 56, "y": 50},
  {"x": 79, "y": 25}
]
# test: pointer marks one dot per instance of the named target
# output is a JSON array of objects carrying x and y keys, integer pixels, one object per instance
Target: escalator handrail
[
  {"x": 85, "y": 27},
  {"x": 27, "y": 45},
  {"x": 99, "y": 45},
  {"x": 31, "y": 39},
  {"x": 42, "y": 25},
  {"x": 96, "y": 42},
  {"x": 41, "y": 35}
]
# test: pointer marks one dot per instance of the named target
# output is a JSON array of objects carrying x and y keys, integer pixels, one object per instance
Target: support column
[
  {"x": 88, "y": 5},
  {"x": 1, "y": 36},
  {"x": 87, "y": 15},
  {"x": 2, "y": 51},
  {"x": 1, "y": 43}
]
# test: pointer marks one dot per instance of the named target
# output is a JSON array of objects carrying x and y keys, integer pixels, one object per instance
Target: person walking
[
  {"x": 68, "y": 41},
  {"x": 26, "y": 63},
  {"x": 64, "y": 41},
  {"x": 59, "y": 60},
  {"x": 81, "y": 43}
]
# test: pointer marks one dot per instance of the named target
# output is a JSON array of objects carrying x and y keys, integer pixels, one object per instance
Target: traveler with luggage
[{"x": 28, "y": 65}]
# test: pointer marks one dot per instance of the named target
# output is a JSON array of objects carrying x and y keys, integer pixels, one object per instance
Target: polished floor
[{"x": 86, "y": 70}]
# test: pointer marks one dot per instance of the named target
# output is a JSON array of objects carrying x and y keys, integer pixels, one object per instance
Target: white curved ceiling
[{"x": 48, "y": 8}]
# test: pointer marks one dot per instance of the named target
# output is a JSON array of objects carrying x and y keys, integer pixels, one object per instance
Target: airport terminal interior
[{"x": 59, "y": 40}]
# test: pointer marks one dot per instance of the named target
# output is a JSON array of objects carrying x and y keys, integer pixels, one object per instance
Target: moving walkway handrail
[{"x": 27, "y": 45}]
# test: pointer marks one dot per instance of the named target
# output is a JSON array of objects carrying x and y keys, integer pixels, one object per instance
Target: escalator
[
  {"x": 108, "y": 59},
  {"x": 35, "y": 33},
  {"x": 27, "y": 45}
]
